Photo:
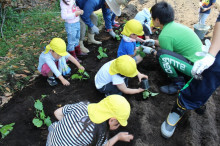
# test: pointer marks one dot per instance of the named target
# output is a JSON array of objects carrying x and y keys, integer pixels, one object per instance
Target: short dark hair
[{"x": 163, "y": 11}]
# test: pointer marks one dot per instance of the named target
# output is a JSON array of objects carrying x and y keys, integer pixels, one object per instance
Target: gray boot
[
  {"x": 169, "y": 125},
  {"x": 83, "y": 48},
  {"x": 92, "y": 40}
]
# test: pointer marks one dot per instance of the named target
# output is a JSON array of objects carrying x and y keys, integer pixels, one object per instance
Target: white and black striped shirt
[{"x": 72, "y": 129}]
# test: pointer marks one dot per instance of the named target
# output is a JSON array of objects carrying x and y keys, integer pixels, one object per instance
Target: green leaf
[
  {"x": 5, "y": 130},
  {"x": 42, "y": 115},
  {"x": 100, "y": 49},
  {"x": 80, "y": 71},
  {"x": 47, "y": 121},
  {"x": 75, "y": 76},
  {"x": 104, "y": 50},
  {"x": 153, "y": 94},
  {"x": 86, "y": 74},
  {"x": 104, "y": 55},
  {"x": 38, "y": 105},
  {"x": 43, "y": 96},
  {"x": 99, "y": 57},
  {"x": 142, "y": 54},
  {"x": 146, "y": 94},
  {"x": 37, "y": 122}
]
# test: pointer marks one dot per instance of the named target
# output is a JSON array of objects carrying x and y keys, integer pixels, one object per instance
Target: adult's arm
[
  {"x": 107, "y": 17},
  {"x": 215, "y": 45}
]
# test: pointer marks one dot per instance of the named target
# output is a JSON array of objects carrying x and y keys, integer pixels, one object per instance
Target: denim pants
[
  {"x": 73, "y": 35},
  {"x": 196, "y": 92},
  {"x": 110, "y": 89},
  {"x": 202, "y": 18}
]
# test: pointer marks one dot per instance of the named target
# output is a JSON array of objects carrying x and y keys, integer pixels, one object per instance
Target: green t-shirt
[{"x": 180, "y": 39}]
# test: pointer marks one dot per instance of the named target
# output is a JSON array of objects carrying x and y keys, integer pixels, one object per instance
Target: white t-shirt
[{"x": 103, "y": 77}]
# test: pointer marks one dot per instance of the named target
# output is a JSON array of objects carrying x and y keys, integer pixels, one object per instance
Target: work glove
[
  {"x": 95, "y": 29},
  {"x": 146, "y": 50},
  {"x": 200, "y": 65},
  {"x": 112, "y": 33},
  {"x": 205, "y": 48},
  {"x": 149, "y": 42}
]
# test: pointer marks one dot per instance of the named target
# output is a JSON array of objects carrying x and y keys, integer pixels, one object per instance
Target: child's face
[
  {"x": 55, "y": 55},
  {"x": 133, "y": 36},
  {"x": 113, "y": 124}
]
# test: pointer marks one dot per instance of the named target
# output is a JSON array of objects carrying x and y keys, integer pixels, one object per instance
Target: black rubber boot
[{"x": 174, "y": 87}]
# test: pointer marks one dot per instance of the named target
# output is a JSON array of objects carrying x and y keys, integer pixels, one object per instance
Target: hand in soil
[
  {"x": 125, "y": 136},
  {"x": 65, "y": 82}
]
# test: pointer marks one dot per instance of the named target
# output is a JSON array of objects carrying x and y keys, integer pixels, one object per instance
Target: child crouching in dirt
[
  {"x": 88, "y": 124},
  {"x": 112, "y": 77},
  {"x": 53, "y": 61},
  {"x": 131, "y": 31}
]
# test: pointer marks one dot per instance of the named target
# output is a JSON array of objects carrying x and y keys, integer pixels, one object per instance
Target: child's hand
[
  {"x": 65, "y": 82},
  {"x": 82, "y": 68},
  {"x": 79, "y": 12}
]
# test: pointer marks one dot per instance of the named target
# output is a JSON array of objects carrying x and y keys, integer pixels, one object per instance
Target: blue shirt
[
  {"x": 206, "y": 4},
  {"x": 89, "y": 6},
  {"x": 126, "y": 48}
]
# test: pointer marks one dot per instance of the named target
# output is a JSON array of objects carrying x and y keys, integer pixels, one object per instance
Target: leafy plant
[
  {"x": 102, "y": 53},
  {"x": 40, "y": 118},
  {"x": 148, "y": 93},
  {"x": 6, "y": 129},
  {"x": 141, "y": 53},
  {"x": 81, "y": 75},
  {"x": 117, "y": 37}
]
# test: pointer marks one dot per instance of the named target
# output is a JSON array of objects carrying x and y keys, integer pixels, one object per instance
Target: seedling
[
  {"x": 40, "y": 118},
  {"x": 117, "y": 37},
  {"x": 6, "y": 129},
  {"x": 148, "y": 93},
  {"x": 102, "y": 53},
  {"x": 81, "y": 75},
  {"x": 141, "y": 53}
]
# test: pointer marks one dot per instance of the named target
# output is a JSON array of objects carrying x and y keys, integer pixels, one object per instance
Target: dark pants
[{"x": 110, "y": 89}]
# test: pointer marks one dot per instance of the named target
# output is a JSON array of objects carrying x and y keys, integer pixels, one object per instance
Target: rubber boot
[
  {"x": 79, "y": 52},
  {"x": 169, "y": 125},
  {"x": 92, "y": 40},
  {"x": 174, "y": 87},
  {"x": 83, "y": 48},
  {"x": 73, "y": 53}
]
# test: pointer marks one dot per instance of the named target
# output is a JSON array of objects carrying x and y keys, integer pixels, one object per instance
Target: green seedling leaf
[
  {"x": 5, "y": 130},
  {"x": 38, "y": 105},
  {"x": 42, "y": 115},
  {"x": 146, "y": 94},
  {"x": 153, "y": 94},
  {"x": 86, "y": 74},
  {"x": 117, "y": 37},
  {"x": 99, "y": 57},
  {"x": 75, "y": 76},
  {"x": 37, "y": 122},
  {"x": 80, "y": 71},
  {"x": 104, "y": 55},
  {"x": 142, "y": 54},
  {"x": 116, "y": 31},
  {"x": 43, "y": 96},
  {"x": 104, "y": 50},
  {"x": 47, "y": 121},
  {"x": 100, "y": 49}
]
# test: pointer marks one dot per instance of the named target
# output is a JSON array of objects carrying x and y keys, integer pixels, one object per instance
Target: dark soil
[{"x": 146, "y": 115}]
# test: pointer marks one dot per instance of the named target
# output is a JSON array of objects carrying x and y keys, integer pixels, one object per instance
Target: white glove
[
  {"x": 95, "y": 29},
  {"x": 146, "y": 50},
  {"x": 205, "y": 48},
  {"x": 149, "y": 42},
  {"x": 112, "y": 33},
  {"x": 200, "y": 65}
]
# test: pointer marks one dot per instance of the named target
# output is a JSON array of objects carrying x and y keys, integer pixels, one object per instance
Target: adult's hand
[
  {"x": 149, "y": 42},
  {"x": 146, "y": 49},
  {"x": 95, "y": 29},
  {"x": 200, "y": 65}
]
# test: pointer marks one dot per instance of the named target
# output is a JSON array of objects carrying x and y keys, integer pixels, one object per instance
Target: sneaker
[
  {"x": 115, "y": 25},
  {"x": 173, "y": 88},
  {"x": 52, "y": 81}
]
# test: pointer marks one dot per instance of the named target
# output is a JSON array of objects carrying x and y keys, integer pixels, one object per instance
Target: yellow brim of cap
[
  {"x": 63, "y": 54},
  {"x": 140, "y": 34},
  {"x": 112, "y": 69}
]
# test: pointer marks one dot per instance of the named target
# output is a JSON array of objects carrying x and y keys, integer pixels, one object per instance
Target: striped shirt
[{"x": 75, "y": 129}]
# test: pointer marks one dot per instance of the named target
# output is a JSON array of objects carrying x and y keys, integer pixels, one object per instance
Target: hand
[
  {"x": 140, "y": 90},
  {"x": 79, "y": 12},
  {"x": 95, "y": 29},
  {"x": 81, "y": 67},
  {"x": 65, "y": 82},
  {"x": 112, "y": 33},
  {"x": 125, "y": 136},
  {"x": 146, "y": 50},
  {"x": 140, "y": 76},
  {"x": 200, "y": 65},
  {"x": 149, "y": 42}
]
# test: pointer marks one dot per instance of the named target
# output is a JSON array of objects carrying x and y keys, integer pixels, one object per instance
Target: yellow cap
[
  {"x": 57, "y": 45},
  {"x": 133, "y": 27},
  {"x": 113, "y": 106},
  {"x": 124, "y": 65}
]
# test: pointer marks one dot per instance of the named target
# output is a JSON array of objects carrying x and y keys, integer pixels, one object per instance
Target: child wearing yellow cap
[
  {"x": 112, "y": 77},
  {"x": 89, "y": 123},
  {"x": 53, "y": 61},
  {"x": 132, "y": 29}
]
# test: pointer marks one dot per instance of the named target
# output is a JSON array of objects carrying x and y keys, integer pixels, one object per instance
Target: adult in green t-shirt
[{"x": 179, "y": 46}]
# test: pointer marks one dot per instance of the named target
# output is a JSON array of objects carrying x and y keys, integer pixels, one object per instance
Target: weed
[
  {"x": 82, "y": 75},
  {"x": 40, "y": 118},
  {"x": 102, "y": 53},
  {"x": 6, "y": 129}
]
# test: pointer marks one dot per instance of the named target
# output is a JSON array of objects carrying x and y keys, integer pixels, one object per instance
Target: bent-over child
[{"x": 53, "y": 61}]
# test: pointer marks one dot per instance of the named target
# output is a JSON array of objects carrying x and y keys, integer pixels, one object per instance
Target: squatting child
[{"x": 53, "y": 61}]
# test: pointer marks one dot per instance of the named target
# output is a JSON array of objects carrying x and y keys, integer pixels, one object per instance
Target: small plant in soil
[
  {"x": 102, "y": 53},
  {"x": 40, "y": 118},
  {"x": 6, "y": 129},
  {"x": 148, "y": 93},
  {"x": 140, "y": 52},
  {"x": 81, "y": 75}
]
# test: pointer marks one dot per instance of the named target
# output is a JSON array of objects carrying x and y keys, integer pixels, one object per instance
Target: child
[
  {"x": 204, "y": 11},
  {"x": 112, "y": 77},
  {"x": 53, "y": 61},
  {"x": 88, "y": 124},
  {"x": 70, "y": 13},
  {"x": 131, "y": 31}
]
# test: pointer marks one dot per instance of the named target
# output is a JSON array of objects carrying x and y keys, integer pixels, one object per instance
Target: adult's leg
[
  {"x": 91, "y": 35},
  {"x": 82, "y": 36}
]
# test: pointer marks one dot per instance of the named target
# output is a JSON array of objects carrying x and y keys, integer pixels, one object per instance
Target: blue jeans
[
  {"x": 202, "y": 18},
  {"x": 73, "y": 35},
  {"x": 197, "y": 92}
]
